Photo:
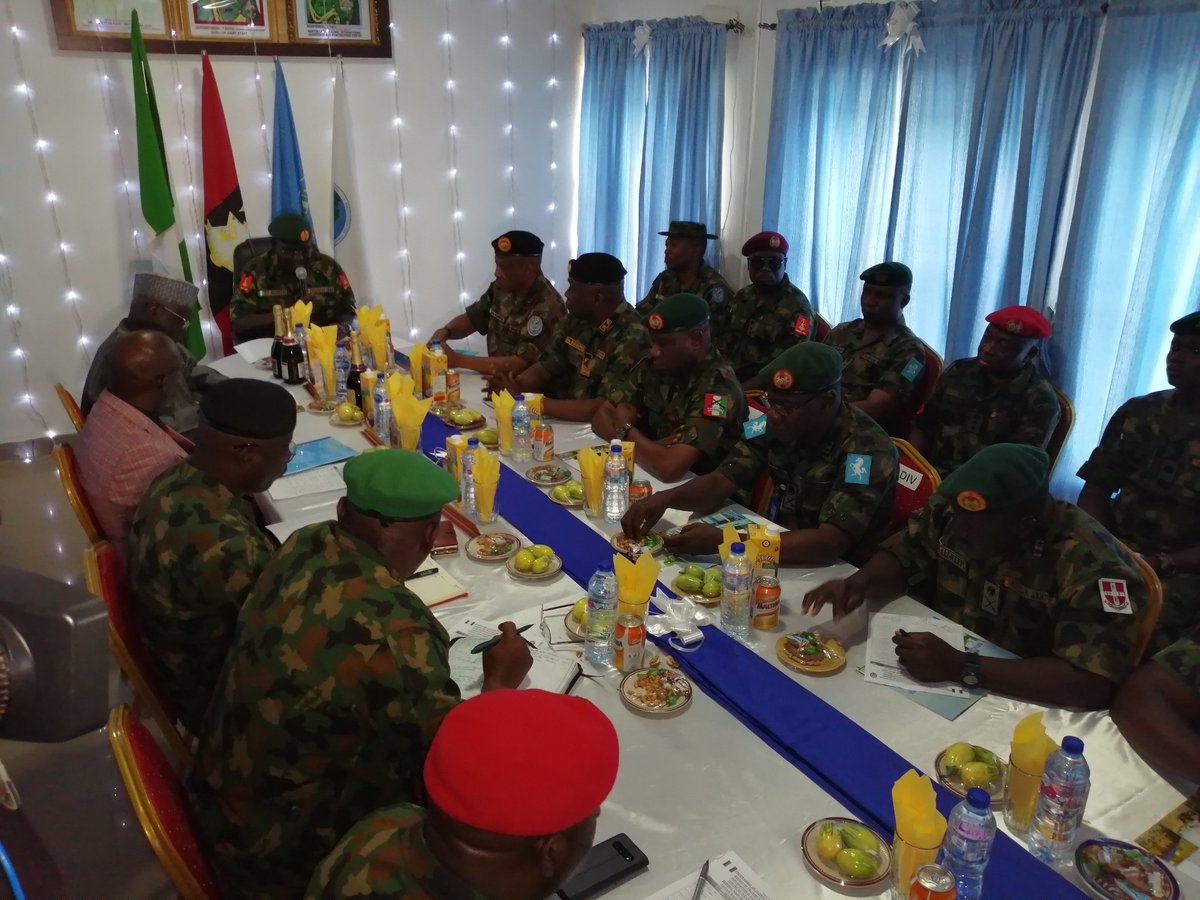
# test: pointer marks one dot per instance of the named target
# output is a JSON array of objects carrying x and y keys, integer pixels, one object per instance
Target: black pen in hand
[{"x": 492, "y": 642}]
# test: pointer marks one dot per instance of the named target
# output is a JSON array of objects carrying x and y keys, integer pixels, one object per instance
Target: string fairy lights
[
  {"x": 452, "y": 146},
  {"x": 552, "y": 127},
  {"x": 400, "y": 194},
  {"x": 12, "y": 312},
  {"x": 508, "y": 88}
]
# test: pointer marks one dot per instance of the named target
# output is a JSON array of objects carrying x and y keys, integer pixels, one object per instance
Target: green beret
[
  {"x": 596, "y": 268},
  {"x": 998, "y": 477},
  {"x": 1188, "y": 326},
  {"x": 291, "y": 228},
  {"x": 695, "y": 230},
  {"x": 398, "y": 484},
  {"x": 804, "y": 369},
  {"x": 888, "y": 274},
  {"x": 250, "y": 408},
  {"x": 679, "y": 312},
  {"x": 518, "y": 243}
]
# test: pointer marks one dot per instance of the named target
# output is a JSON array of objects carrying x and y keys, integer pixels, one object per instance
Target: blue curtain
[
  {"x": 990, "y": 117},
  {"x": 830, "y": 153},
  {"x": 611, "y": 127},
  {"x": 1132, "y": 259},
  {"x": 681, "y": 165}
]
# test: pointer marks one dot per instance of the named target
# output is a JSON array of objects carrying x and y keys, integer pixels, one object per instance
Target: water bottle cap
[
  {"x": 979, "y": 798},
  {"x": 737, "y": 547},
  {"x": 1073, "y": 745},
  {"x": 473, "y": 442},
  {"x": 615, "y": 447},
  {"x": 520, "y": 398},
  {"x": 604, "y": 567}
]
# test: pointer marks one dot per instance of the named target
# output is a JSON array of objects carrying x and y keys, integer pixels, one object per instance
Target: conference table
[{"x": 696, "y": 785}]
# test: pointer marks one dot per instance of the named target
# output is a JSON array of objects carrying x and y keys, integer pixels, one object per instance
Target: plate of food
[
  {"x": 602, "y": 449},
  {"x": 535, "y": 563},
  {"x": 463, "y": 419},
  {"x": 577, "y": 620},
  {"x": 321, "y": 407},
  {"x": 1121, "y": 871},
  {"x": 846, "y": 852},
  {"x": 347, "y": 415},
  {"x": 569, "y": 493},
  {"x": 652, "y": 543},
  {"x": 811, "y": 653},
  {"x": 698, "y": 584},
  {"x": 495, "y": 547},
  {"x": 656, "y": 691},
  {"x": 548, "y": 474},
  {"x": 963, "y": 766}
]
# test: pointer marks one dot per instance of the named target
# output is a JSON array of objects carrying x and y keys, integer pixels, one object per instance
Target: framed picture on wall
[{"x": 277, "y": 27}]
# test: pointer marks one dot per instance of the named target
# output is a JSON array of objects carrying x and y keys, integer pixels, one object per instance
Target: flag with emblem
[
  {"x": 349, "y": 228},
  {"x": 716, "y": 405},
  {"x": 224, "y": 217},
  {"x": 289, "y": 192},
  {"x": 154, "y": 180}
]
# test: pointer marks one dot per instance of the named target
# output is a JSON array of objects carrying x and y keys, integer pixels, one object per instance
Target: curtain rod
[{"x": 735, "y": 25}]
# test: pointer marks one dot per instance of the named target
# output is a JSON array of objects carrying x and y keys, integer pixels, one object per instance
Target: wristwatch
[
  {"x": 622, "y": 431},
  {"x": 972, "y": 675}
]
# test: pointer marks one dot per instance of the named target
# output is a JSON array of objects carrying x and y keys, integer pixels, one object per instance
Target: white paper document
[
  {"x": 729, "y": 878},
  {"x": 253, "y": 351},
  {"x": 883, "y": 666},
  {"x": 314, "y": 481},
  {"x": 551, "y": 671}
]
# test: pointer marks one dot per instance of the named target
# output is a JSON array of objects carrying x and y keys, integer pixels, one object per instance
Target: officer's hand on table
[
  {"x": 671, "y": 439},
  {"x": 606, "y": 421},
  {"x": 501, "y": 381},
  {"x": 927, "y": 657},
  {"x": 641, "y": 516},
  {"x": 506, "y": 664},
  {"x": 694, "y": 539},
  {"x": 441, "y": 335},
  {"x": 839, "y": 593}
]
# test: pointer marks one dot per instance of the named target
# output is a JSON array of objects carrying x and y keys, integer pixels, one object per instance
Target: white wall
[{"x": 76, "y": 112}]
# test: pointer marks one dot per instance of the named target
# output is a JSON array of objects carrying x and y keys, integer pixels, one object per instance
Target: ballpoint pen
[
  {"x": 492, "y": 642},
  {"x": 422, "y": 573},
  {"x": 700, "y": 881}
]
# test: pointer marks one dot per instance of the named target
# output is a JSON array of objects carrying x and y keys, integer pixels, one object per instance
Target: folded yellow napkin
[
  {"x": 415, "y": 357},
  {"x": 503, "y": 404},
  {"x": 1031, "y": 746},
  {"x": 408, "y": 411},
  {"x": 322, "y": 341},
  {"x": 398, "y": 386},
  {"x": 635, "y": 580},
  {"x": 918, "y": 821},
  {"x": 301, "y": 313},
  {"x": 591, "y": 471},
  {"x": 374, "y": 334},
  {"x": 487, "y": 477},
  {"x": 730, "y": 537}
]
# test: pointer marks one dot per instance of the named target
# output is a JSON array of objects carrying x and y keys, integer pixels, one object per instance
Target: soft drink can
[
  {"x": 629, "y": 642},
  {"x": 932, "y": 882},
  {"x": 639, "y": 490},
  {"x": 765, "y": 603},
  {"x": 534, "y": 402},
  {"x": 453, "y": 386},
  {"x": 543, "y": 442}
]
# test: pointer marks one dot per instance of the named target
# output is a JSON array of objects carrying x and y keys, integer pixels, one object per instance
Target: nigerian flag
[{"x": 158, "y": 203}]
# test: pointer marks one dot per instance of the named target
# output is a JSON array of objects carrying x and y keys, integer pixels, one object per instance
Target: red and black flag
[{"x": 224, "y": 218}]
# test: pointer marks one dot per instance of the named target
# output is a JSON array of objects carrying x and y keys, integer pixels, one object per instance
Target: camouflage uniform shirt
[
  {"x": 707, "y": 404},
  {"x": 849, "y": 480},
  {"x": 336, "y": 682},
  {"x": 1041, "y": 601},
  {"x": 1182, "y": 659},
  {"x": 1150, "y": 453},
  {"x": 518, "y": 325},
  {"x": 708, "y": 284},
  {"x": 195, "y": 550},
  {"x": 969, "y": 410},
  {"x": 892, "y": 362},
  {"x": 385, "y": 855},
  {"x": 587, "y": 361},
  {"x": 266, "y": 281},
  {"x": 757, "y": 325}
]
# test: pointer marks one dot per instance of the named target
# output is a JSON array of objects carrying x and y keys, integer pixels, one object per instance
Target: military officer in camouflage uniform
[
  {"x": 768, "y": 315},
  {"x": 337, "y": 680},
  {"x": 274, "y": 277},
  {"x": 834, "y": 469},
  {"x": 519, "y": 312},
  {"x": 1158, "y": 709},
  {"x": 996, "y": 397},
  {"x": 597, "y": 346},
  {"x": 485, "y": 836},
  {"x": 686, "y": 270},
  {"x": 882, "y": 360},
  {"x": 1149, "y": 458},
  {"x": 684, "y": 410},
  {"x": 196, "y": 545},
  {"x": 995, "y": 552}
]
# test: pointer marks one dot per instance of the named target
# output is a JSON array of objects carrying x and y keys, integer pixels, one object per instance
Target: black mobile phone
[{"x": 607, "y": 864}]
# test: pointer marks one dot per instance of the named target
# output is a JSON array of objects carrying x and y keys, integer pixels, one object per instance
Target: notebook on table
[{"x": 551, "y": 671}]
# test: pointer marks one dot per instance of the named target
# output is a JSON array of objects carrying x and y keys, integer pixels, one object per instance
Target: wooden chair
[
  {"x": 1066, "y": 421},
  {"x": 105, "y": 573},
  {"x": 823, "y": 329},
  {"x": 1154, "y": 603},
  {"x": 73, "y": 411},
  {"x": 917, "y": 482},
  {"x": 158, "y": 800},
  {"x": 921, "y": 391},
  {"x": 68, "y": 474}
]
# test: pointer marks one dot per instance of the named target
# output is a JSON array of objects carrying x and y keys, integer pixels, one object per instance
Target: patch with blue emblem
[
  {"x": 912, "y": 369},
  {"x": 534, "y": 326},
  {"x": 858, "y": 468},
  {"x": 755, "y": 427}
]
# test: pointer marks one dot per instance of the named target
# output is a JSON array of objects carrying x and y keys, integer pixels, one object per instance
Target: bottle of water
[
  {"x": 616, "y": 485},
  {"x": 602, "y": 616},
  {"x": 968, "y": 843},
  {"x": 1059, "y": 812},
  {"x": 468, "y": 476},
  {"x": 341, "y": 369},
  {"x": 522, "y": 448},
  {"x": 735, "y": 593}
]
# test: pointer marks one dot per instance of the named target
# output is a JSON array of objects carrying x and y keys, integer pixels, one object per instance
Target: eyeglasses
[
  {"x": 774, "y": 263},
  {"x": 172, "y": 312}
]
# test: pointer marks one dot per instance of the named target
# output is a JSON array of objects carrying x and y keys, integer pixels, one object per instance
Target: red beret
[
  {"x": 524, "y": 763},
  {"x": 766, "y": 242},
  {"x": 1021, "y": 320}
]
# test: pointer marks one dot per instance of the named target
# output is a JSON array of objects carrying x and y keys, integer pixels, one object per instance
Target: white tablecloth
[{"x": 696, "y": 785}]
